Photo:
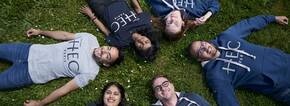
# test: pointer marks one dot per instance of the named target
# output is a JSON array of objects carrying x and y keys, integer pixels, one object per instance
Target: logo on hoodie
[
  {"x": 234, "y": 56},
  {"x": 122, "y": 20},
  {"x": 185, "y": 3}
]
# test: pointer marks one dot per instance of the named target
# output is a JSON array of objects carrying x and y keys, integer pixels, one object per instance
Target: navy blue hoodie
[
  {"x": 122, "y": 22},
  {"x": 191, "y": 8},
  {"x": 187, "y": 99},
  {"x": 246, "y": 65}
]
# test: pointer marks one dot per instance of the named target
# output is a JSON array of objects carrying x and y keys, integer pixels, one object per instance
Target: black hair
[
  {"x": 188, "y": 49},
  {"x": 120, "y": 88},
  {"x": 150, "y": 53},
  {"x": 119, "y": 59}
]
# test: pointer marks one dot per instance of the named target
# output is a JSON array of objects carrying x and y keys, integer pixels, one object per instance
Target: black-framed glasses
[
  {"x": 201, "y": 49},
  {"x": 159, "y": 87}
]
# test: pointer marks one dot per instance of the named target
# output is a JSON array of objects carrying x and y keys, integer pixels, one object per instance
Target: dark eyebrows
[{"x": 109, "y": 54}]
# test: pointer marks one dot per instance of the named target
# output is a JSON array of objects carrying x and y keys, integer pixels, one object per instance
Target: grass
[{"x": 16, "y": 16}]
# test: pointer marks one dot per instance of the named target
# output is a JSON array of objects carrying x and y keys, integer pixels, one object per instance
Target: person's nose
[
  {"x": 104, "y": 51},
  {"x": 111, "y": 96},
  {"x": 162, "y": 88}
]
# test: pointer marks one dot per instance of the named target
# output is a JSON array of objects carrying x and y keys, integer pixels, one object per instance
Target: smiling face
[
  {"x": 112, "y": 96},
  {"x": 106, "y": 55},
  {"x": 141, "y": 42},
  {"x": 163, "y": 89},
  {"x": 173, "y": 22},
  {"x": 203, "y": 50}
]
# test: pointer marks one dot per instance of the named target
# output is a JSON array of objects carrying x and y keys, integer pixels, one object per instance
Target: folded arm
[
  {"x": 214, "y": 6},
  {"x": 137, "y": 6},
  {"x": 87, "y": 11}
]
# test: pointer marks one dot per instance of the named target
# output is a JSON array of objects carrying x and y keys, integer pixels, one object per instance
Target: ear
[
  {"x": 106, "y": 65},
  {"x": 200, "y": 60},
  {"x": 183, "y": 23}
]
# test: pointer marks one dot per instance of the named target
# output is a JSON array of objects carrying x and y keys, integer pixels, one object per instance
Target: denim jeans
[{"x": 17, "y": 75}]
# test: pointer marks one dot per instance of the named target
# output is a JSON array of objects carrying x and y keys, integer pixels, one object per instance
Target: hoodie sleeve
[
  {"x": 247, "y": 26},
  {"x": 199, "y": 99},
  {"x": 214, "y": 6},
  {"x": 223, "y": 92},
  {"x": 159, "y": 7}
]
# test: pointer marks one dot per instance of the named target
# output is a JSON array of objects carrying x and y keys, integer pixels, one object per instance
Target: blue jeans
[{"x": 17, "y": 75}]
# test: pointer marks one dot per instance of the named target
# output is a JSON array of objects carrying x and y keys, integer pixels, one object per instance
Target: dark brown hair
[
  {"x": 187, "y": 25},
  {"x": 159, "y": 76}
]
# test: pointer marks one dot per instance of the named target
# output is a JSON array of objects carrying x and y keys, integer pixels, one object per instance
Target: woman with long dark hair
[
  {"x": 113, "y": 94},
  {"x": 124, "y": 26},
  {"x": 179, "y": 15}
]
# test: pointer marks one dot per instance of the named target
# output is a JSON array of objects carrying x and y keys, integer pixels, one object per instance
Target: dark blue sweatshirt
[
  {"x": 191, "y": 8},
  {"x": 187, "y": 99},
  {"x": 122, "y": 22},
  {"x": 246, "y": 65}
]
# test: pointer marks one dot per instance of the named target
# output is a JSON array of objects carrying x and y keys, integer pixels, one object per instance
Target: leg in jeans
[{"x": 17, "y": 75}]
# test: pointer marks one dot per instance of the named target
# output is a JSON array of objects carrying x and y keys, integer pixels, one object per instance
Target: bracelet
[{"x": 94, "y": 18}]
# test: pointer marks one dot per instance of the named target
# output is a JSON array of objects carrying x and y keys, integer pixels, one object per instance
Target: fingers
[
  {"x": 199, "y": 21},
  {"x": 32, "y": 32},
  {"x": 29, "y": 32},
  {"x": 84, "y": 9},
  {"x": 283, "y": 20}
]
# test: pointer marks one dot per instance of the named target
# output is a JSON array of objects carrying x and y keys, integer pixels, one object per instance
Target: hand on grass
[
  {"x": 283, "y": 20},
  {"x": 33, "y": 32},
  {"x": 87, "y": 11},
  {"x": 32, "y": 103}
]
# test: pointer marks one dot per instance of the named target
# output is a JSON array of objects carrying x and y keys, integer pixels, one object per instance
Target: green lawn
[{"x": 16, "y": 16}]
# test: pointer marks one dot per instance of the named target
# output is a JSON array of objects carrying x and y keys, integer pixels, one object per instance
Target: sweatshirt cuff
[{"x": 272, "y": 18}]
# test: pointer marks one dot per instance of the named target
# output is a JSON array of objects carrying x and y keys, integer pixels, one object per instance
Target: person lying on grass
[
  {"x": 124, "y": 27},
  {"x": 113, "y": 94},
  {"x": 165, "y": 92},
  {"x": 229, "y": 62},
  {"x": 79, "y": 56},
  {"x": 179, "y": 15}
]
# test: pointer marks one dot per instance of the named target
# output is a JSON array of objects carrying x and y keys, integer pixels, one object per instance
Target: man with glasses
[
  {"x": 167, "y": 96},
  {"x": 230, "y": 61}
]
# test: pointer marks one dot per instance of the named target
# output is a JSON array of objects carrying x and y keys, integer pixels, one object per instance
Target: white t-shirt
[{"x": 73, "y": 58}]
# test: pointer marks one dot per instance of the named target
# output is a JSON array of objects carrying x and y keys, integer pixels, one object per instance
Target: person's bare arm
[
  {"x": 58, "y": 35},
  {"x": 87, "y": 11},
  {"x": 137, "y": 6},
  {"x": 67, "y": 88}
]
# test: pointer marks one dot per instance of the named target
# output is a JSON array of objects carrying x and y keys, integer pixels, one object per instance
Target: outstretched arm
[
  {"x": 58, "y": 35},
  {"x": 247, "y": 26},
  {"x": 68, "y": 87},
  {"x": 137, "y": 6},
  {"x": 87, "y": 11}
]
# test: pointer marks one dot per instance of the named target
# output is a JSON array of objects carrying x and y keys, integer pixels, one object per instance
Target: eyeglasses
[
  {"x": 201, "y": 49},
  {"x": 164, "y": 84}
]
